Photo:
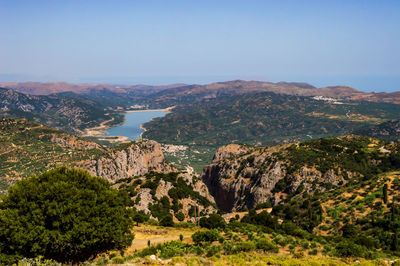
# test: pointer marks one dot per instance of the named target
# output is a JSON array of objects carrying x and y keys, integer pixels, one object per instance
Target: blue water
[{"x": 131, "y": 127}]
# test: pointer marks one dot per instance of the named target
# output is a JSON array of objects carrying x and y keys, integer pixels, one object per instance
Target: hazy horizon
[{"x": 324, "y": 43}]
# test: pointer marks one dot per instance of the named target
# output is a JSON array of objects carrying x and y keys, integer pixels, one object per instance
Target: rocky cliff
[
  {"x": 136, "y": 159},
  {"x": 243, "y": 176}
]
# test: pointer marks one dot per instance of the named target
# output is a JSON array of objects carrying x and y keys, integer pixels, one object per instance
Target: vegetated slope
[
  {"x": 71, "y": 114},
  {"x": 388, "y": 131},
  {"x": 157, "y": 195},
  {"x": 265, "y": 118},
  {"x": 361, "y": 216},
  {"x": 245, "y": 176},
  {"x": 28, "y": 148}
]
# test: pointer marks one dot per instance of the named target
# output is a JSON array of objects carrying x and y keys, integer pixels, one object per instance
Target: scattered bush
[
  {"x": 246, "y": 246},
  {"x": 205, "y": 236},
  {"x": 213, "y": 221},
  {"x": 266, "y": 245}
]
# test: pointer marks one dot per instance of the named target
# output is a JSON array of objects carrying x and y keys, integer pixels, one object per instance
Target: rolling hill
[
  {"x": 265, "y": 118},
  {"x": 69, "y": 113}
]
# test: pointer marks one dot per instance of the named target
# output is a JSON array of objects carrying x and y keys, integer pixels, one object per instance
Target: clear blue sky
[{"x": 356, "y": 43}]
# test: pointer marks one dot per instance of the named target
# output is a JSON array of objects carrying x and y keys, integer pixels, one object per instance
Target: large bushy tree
[{"x": 63, "y": 214}]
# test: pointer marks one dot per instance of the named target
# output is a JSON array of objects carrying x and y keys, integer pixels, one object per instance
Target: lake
[{"x": 131, "y": 127}]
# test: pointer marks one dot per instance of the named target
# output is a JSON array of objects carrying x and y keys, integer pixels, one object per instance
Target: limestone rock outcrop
[
  {"x": 137, "y": 159},
  {"x": 242, "y": 177}
]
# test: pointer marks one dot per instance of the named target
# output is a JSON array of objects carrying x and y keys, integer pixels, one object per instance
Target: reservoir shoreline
[{"x": 123, "y": 131}]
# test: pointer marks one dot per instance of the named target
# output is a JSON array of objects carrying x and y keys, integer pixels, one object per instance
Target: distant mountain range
[
  {"x": 192, "y": 93},
  {"x": 46, "y": 88},
  {"x": 253, "y": 106},
  {"x": 187, "y": 93}
]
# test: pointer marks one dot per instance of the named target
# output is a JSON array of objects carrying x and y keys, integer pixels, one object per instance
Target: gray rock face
[
  {"x": 137, "y": 159},
  {"x": 248, "y": 177}
]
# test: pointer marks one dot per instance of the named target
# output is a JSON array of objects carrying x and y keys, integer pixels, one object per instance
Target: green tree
[
  {"x": 180, "y": 216},
  {"x": 167, "y": 220},
  {"x": 206, "y": 236},
  {"x": 63, "y": 214},
  {"x": 385, "y": 193},
  {"x": 213, "y": 221},
  {"x": 140, "y": 217}
]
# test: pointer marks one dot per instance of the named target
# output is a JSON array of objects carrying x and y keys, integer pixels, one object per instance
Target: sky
[{"x": 355, "y": 43}]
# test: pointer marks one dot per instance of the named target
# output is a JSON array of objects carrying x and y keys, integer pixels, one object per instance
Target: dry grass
[{"x": 157, "y": 235}]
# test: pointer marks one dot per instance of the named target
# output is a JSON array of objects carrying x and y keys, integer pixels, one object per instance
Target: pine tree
[{"x": 385, "y": 193}]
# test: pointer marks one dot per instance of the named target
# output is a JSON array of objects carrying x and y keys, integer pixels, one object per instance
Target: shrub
[
  {"x": 205, "y": 236},
  {"x": 171, "y": 249},
  {"x": 213, "y": 250},
  {"x": 118, "y": 260},
  {"x": 185, "y": 225},
  {"x": 348, "y": 249},
  {"x": 140, "y": 217},
  {"x": 180, "y": 216},
  {"x": 213, "y": 221},
  {"x": 304, "y": 244},
  {"x": 314, "y": 251},
  {"x": 350, "y": 231},
  {"x": 64, "y": 214},
  {"x": 246, "y": 246},
  {"x": 166, "y": 250},
  {"x": 167, "y": 220},
  {"x": 266, "y": 245},
  {"x": 229, "y": 248},
  {"x": 263, "y": 205},
  {"x": 280, "y": 240},
  {"x": 195, "y": 249}
]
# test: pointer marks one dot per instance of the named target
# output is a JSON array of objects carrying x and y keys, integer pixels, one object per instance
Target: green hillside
[
  {"x": 28, "y": 148},
  {"x": 265, "y": 118}
]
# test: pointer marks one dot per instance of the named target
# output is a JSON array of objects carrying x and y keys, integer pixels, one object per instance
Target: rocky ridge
[{"x": 242, "y": 177}]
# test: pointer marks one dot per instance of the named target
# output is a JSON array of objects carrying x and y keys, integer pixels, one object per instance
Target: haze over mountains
[
  {"x": 46, "y": 88},
  {"x": 210, "y": 90},
  {"x": 77, "y": 107}
]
